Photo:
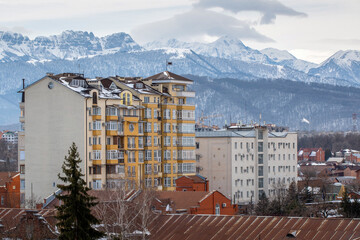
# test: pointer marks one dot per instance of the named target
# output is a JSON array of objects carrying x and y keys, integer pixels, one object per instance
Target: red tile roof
[
  {"x": 203, "y": 227},
  {"x": 6, "y": 177},
  {"x": 182, "y": 200}
]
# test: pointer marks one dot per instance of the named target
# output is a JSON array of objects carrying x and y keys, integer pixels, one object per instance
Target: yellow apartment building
[{"x": 134, "y": 130}]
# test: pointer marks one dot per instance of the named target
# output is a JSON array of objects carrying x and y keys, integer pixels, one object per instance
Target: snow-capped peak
[
  {"x": 228, "y": 41},
  {"x": 344, "y": 58},
  {"x": 278, "y": 55}
]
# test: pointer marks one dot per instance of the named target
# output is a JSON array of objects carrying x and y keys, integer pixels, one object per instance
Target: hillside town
[{"x": 150, "y": 164}]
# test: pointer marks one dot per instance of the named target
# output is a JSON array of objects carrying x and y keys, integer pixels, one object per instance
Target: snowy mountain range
[
  {"x": 119, "y": 54},
  {"x": 68, "y": 45}
]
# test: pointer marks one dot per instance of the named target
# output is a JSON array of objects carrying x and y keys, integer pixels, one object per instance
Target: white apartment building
[
  {"x": 244, "y": 163},
  {"x": 9, "y": 136}
]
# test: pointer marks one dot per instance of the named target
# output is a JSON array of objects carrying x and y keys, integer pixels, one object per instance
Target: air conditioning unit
[{"x": 224, "y": 205}]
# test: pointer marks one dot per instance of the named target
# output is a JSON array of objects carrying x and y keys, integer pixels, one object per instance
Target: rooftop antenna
[
  {"x": 354, "y": 118},
  {"x": 167, "y": 64},
  {"x": 260, "y": 119}
]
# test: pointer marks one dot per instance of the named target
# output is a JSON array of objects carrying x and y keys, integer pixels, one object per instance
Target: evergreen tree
[
  {"x": 74, "y": 215},
  {"x": 262, "y": 207},
  {"x": 294, "y": 207}
]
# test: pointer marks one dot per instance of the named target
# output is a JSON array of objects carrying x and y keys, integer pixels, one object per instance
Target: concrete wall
[
  {"x": 54, "y": 119},
  {"x": 215, "y": 162}
]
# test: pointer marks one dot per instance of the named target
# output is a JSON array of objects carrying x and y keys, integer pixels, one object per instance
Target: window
[
  {"x": 147, "y": 127},
  {"x": 22, "y": 169},
  {"x": 260, "y": 135},
  {"x": 22, "y": 155},
  {"x": 131, "y": 157},
  {"x": 260, "y": 158},
  {"x": 260, "y": 147},
  {"x": 260, "y": 171},
  {"x": 141, "y": 156},
  {"x": 261, "y": 182},
  {"x": 22, "y": 184},
  {"x": 148, "y": 182},
  {"x": 96, "y": 125},
  {"x": 174, "y": 128},
  {"x": 186, "y": 128},
  {"x": 111, "y": 111},
  {"x": 148, "y": 154},
  {"x": 94, "y": 99},
  {"x": 167, "y": 155},
  {"x": 167, "y": 141},
  {"x": 167, "y": 182},
  {"x": 96, "y": 111},
  {"x": 112, "y": 126},
  {"x": 141, "y": 128},
  {"x": 166, "y": 114},
  {"x": 112, "y": 154},
  {"x": 148, "y": 169},
  {"x": 156, "y": 113},
  {"x": 217, "y": 209},
  {"x": 186, "y": 114},
  {"x": 128, "y": 99},
  {"x": 167, "y": 168},
  {"x": 186, "y": 155},
  {"x": 141, "y": 142},
  {"x": 131, "y": 142},
  {"x": 156, "y": 141},
  {"x": 173, "y": 114},
  {"x": 148, "y": 141},
  {"x": 146, "y": 99},
  {"x": 96, "y": 155},
  {"x": 96, "y": 184},
  {"x": 156, "y": 127},
  {"x": 147, "y": 112},
  {"x": 186, "y": 168},
  {"x": 167, "y": 127}
]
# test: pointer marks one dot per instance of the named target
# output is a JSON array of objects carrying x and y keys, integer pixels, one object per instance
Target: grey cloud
[
  {"x": 269, "y": 8},
  {"x": 195, "y": 24},
  {"x": 17, "y": 29}
]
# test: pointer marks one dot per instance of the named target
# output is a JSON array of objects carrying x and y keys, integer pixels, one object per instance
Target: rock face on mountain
[
  {"x": 67, "y": 45},
  {"x": 341, "y": 65},
  {"x": 119, "y": 54}
]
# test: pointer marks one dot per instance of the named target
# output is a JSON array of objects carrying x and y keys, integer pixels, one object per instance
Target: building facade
[
  {"x": 126, "y": 129},
  {"x": 243, "y": 164},
  {"x": 311, "y": 154},
  {"x": 9, "y": 136}
]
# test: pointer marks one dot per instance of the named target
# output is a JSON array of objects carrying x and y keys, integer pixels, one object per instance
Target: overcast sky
[{"x": 310, "y": 29}]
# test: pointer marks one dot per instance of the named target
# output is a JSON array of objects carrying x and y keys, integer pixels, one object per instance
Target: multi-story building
[
  {"x": 9, "y": 136},
  {"x": 311, "y": 154},
  {"x": 246, "y": 162},
  {"x": 125, "y": 129}
]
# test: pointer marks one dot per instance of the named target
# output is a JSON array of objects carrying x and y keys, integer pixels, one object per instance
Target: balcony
[
  {"x": 189, "y": 94},
  {"x": 112, "y": 118},
  {"x": 111, "y": 147}
]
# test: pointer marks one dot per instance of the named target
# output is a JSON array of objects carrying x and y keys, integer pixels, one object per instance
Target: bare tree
[
  {"x": 126, "y": 213},
  {"x": 144, "y": 205}
]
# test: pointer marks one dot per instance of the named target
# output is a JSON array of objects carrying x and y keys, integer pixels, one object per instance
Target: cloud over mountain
[
  {"x": 269, "y": 8},
  {"x": 196, "y": 24}
]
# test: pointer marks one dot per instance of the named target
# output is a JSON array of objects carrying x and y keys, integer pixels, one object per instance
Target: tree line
[{"x": 330, "y": 142}]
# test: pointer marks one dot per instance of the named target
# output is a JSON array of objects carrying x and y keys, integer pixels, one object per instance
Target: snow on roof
[{"x": 313, "y": 154}]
